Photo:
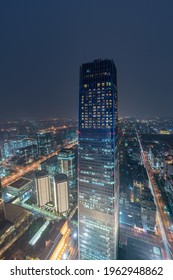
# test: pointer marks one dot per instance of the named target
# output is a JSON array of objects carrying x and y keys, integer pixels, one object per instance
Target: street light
[{"x": 74, "y": 235}]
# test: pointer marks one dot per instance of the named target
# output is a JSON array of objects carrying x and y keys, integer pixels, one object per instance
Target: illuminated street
[
  {"x": 34, "y": 166},
  {"x": 162, "y": 221},
  {"x": 70, "y": 248}
]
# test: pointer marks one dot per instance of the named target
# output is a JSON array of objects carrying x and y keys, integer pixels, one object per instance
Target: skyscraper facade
[
  {"x": 0, "y": 189},
  {"x": 61, "y": 193},
  {"x": 67, "y": 165},
  {"x": 2, "y": 212},
  {"x": 43, "y": 143},
  {"x": 42, "y": 183},
  {"x": 98, "y": 161}
]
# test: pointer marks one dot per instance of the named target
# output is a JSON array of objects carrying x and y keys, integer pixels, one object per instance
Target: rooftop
[
  {"x": 20, "y": 183},
  {"x": 53, "y": 237},
  {"x": 141, "y": 250},
  {"x": 14, "y": 212},
  {"x": 41, "y": 173},
  {"x": 61, "y": 178}
]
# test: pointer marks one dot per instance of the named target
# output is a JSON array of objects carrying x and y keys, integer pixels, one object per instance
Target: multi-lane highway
[
  {"x": 163, "y": 226},
  {"x": 23, "y": 170},
  {"x": 30, "y": 167}
]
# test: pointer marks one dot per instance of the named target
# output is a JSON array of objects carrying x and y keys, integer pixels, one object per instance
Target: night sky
[{"x": 43, "y": 43}]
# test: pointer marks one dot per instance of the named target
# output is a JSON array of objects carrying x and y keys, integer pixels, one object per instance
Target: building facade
[
  {"x": 43, "y": 143},
  {"x": 0, "y": 189},
  {"x": 21, "y": 188},
  {"x": 61, "y": 198},
  {"x": 98, "y": 185},
  {"x": 2, "y": 212},
  {"x": 67, "y": 165},
  {"x": 42, "y": 183},
  {"x": 148, "y": 210}
]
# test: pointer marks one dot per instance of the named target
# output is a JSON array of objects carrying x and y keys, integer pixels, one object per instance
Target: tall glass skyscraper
[{"x": 98, "y": 161}]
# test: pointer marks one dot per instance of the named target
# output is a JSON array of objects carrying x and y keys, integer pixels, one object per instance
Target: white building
[
  {"x": 61, "y": 195},
  {"x": 42, "y": 187}
]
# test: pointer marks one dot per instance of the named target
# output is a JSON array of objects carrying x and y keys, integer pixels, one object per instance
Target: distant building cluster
[
  {"x": 138, "y": 212},
  {"x": 103, "y": 191},
  {"x": 45, "y": 191},
  {"x": 160, "y": 157},
  {"x": 45, "y": 184},
  {"x": 137, "y": 207}
]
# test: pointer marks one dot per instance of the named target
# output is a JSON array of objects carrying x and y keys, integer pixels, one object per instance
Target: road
[
  {"x": 161, "y": 221},
  {"x": 70, "y": 249},
  {"x": 23, "y": 170},
  {"x": 31, "y": 167},
  {"x": 57, "y": 255}
]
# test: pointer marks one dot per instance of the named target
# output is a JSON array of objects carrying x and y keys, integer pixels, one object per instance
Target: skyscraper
[
  {"x": 43, "y": 143},
  {"x": 42, "y": 182},
  {"x": 0, "y": 189},
  {"x": 98, "y": 161},
  {"x": 61, "y": 193},
  {"x": 2, "y": 212},
  {"x": 67, "y": 165}
]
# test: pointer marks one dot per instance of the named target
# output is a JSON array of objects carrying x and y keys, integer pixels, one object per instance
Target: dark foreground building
[{"x": 98, "y": 161}]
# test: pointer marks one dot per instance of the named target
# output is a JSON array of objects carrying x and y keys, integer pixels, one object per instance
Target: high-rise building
[
  {"x": 0, "y": 177},
  {"x": 51, "y": 166},
  {"x": 0, "y": 155},
  {"x": 42, "y": 183},
  {"x": 148, "y": 210},
  {"x": 0, "y": 189},
  {"x": 67, "y": 165},
  {"x": 98, "y": 161},
  {"x": 43, "y": 143},
  {"x": 6, "y": 149},
  {"x": 61, "y": 198},
  {"x": 2, "y": 212}
]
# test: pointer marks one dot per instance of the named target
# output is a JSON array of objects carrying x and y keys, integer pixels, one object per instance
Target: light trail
[
  {"x": 164, "y": 237},
  {"x": 31, "y": 167}
]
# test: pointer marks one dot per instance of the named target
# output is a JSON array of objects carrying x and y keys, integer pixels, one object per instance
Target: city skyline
[
  {"x": 38, "y": 55},
  {"x": 86, "y": 130},
  {"x": 146, "y": 184}
]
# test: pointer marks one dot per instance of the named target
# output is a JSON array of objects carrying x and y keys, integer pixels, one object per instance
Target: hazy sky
[{"x": 43, "y": 43}]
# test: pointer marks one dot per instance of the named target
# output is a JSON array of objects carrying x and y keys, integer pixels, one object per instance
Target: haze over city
[
  {"x": 86, "y": 132},
  {"x": 44, "y": 42}
]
